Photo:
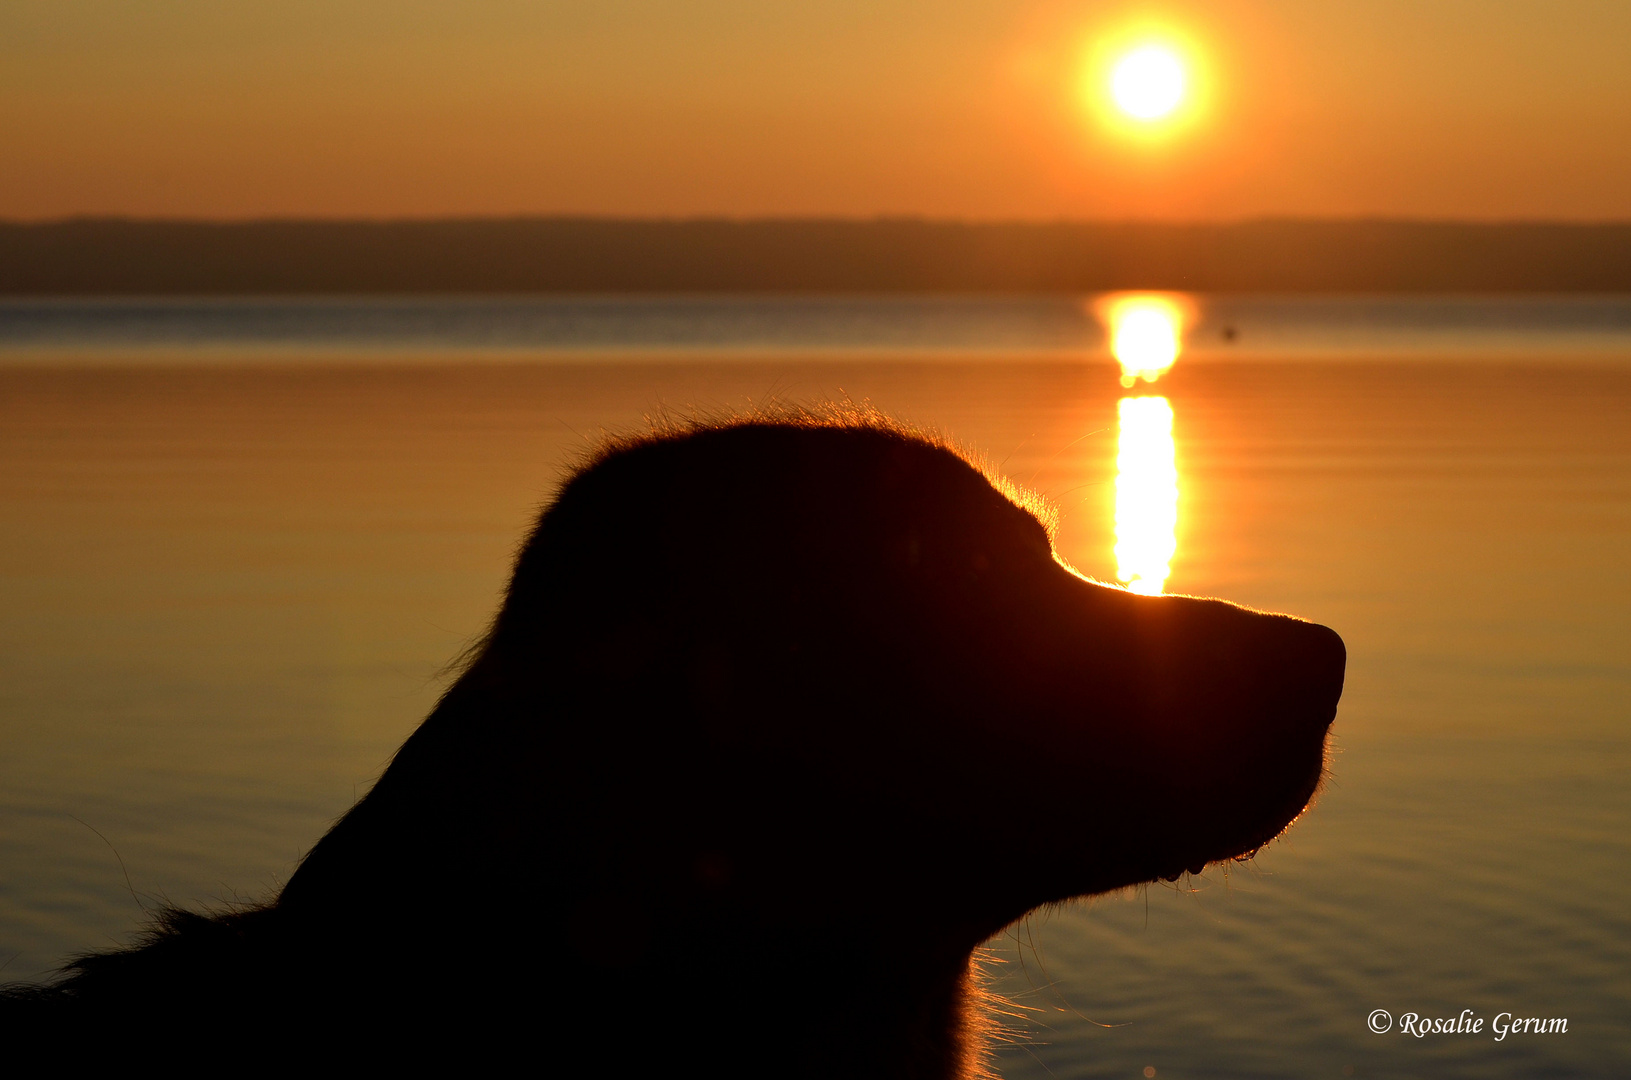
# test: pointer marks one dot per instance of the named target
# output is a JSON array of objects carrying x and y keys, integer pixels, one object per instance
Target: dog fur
[{"x": 779, "y": 720}]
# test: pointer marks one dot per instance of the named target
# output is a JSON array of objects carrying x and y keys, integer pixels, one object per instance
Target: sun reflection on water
[
  {"x": 1146, "y": 336},
  {"x": 1146, "y": 333},
  {"x": 1146, "y": 494}
]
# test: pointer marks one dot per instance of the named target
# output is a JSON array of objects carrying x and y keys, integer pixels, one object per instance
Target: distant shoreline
[
  {"x": 879, "y": 326},
  {"x": 492, "y": 256}
]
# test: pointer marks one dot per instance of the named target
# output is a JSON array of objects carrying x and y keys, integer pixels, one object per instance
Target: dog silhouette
[{"x": 779, "y": 720}]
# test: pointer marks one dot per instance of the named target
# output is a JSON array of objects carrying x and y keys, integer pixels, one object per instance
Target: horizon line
[{"x": 813, "y": 219}]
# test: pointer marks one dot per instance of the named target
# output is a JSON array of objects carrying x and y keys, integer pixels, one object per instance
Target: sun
[{"x": 1148, "y": 83}]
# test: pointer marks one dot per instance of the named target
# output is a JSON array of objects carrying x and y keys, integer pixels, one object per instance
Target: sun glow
[{"x": 1146, "y": 494}]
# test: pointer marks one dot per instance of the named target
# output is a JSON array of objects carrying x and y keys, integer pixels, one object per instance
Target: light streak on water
[{"x": 1146, "y": 494}]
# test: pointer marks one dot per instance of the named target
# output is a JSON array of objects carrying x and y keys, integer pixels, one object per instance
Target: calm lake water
[{"x": 240, "y": 539}]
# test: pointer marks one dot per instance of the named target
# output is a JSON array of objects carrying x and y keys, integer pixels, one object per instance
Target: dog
[{"x": 779, "y": 720}]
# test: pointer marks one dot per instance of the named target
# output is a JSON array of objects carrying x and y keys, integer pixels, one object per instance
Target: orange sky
[{"x": 948, "y": 108}]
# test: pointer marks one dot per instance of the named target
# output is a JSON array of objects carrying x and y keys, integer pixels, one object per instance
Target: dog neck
[{"x": 861, "y": 1002}]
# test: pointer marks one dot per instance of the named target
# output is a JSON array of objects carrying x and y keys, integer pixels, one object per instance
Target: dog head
[{"x": 810, "y": 671}]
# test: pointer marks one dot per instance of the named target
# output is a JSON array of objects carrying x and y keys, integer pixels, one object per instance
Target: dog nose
[{"x": 1313, "y": 662}]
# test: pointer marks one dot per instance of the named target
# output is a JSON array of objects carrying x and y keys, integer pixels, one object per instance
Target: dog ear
[
  {"x": 616, "y": 650},
  {"x": 609, "y": 929},
  {"x": 712, "y": 687}
]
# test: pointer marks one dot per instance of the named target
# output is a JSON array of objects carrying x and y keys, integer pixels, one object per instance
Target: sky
[{"x": 969, "y": 109}]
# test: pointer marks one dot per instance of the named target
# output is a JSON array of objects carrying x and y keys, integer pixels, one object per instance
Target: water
[{"x": 231, "y": 569}]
